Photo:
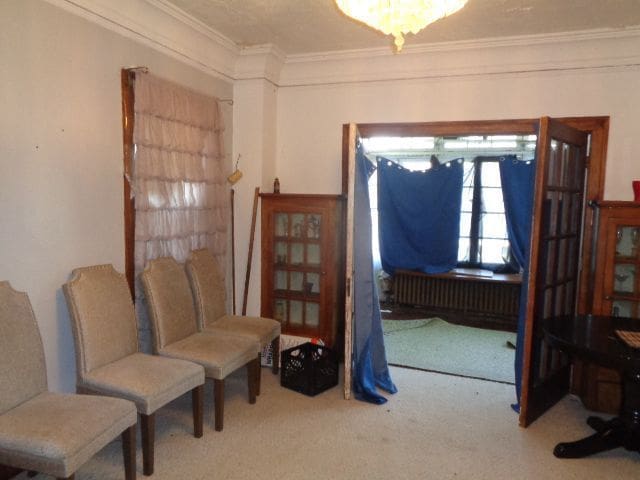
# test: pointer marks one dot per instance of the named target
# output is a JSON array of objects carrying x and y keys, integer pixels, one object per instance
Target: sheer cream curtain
[{"x": 178, "y": 178}]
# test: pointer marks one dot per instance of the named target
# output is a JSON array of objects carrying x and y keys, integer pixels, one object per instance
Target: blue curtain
[
  {"x": 419, "y": 216},
  {"x": 370, "y": 359},
  {"x": 517, "y": 180}
]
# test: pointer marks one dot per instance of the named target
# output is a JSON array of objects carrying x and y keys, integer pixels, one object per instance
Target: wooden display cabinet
[
  {"x": 616, "y": 292},
  {"x": 302, "y": 264}
]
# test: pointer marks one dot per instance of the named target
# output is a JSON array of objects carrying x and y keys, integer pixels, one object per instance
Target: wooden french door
[
  {"x": 352, "y": 137},
  {"x": 555, "y": 255}
]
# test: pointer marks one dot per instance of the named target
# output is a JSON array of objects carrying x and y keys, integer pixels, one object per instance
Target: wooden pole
[
  {"x": 256, "y": 195},
  {"x": 233, "y": 254}
]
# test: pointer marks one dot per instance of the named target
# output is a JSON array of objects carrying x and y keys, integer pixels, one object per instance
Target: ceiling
[{"x": 308, "y": 26}]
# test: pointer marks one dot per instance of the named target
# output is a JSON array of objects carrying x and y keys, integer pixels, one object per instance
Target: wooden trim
[
  {"x": 513, "y": 278},
  {"x": 518, "y": 126},
  {"x": 127, "y": 78}
]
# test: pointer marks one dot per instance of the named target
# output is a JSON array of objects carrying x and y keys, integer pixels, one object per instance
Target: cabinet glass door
[
  {"x": 297, "y": 269},
  {"x": 625, "y": 295}
]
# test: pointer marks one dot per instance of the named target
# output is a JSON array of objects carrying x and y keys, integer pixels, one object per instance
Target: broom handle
[
  {"x": 233, "y": 253},
  {"x": 250, "y": 254}
]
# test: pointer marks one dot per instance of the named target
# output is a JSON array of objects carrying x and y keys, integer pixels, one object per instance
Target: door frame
[{"x": 596, "y": 127}]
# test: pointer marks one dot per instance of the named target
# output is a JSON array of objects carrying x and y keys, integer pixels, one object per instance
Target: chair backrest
[
  {"x": 207, "y": 285},
  {"x": 102, "y": 316},
  {"x": 170, "y": 302},
  {"x": 23, "y": 373}
]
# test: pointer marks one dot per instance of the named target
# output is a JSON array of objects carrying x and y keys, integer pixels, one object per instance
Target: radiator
[{"x": 468, "y": 296}]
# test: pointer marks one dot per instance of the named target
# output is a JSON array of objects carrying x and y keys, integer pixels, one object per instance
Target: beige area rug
[
  {"x": 439, "y": 346},
  {"x": 436, "y": 427}
]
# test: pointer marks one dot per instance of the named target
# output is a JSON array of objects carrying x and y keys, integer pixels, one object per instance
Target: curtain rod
[{"x": 144, "y": 69}]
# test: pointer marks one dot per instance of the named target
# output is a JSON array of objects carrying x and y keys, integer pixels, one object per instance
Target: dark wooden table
[{"x": 593, "y": 338}]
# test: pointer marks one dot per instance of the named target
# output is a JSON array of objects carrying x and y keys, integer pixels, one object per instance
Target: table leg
[{"x": 622, "y": 431}]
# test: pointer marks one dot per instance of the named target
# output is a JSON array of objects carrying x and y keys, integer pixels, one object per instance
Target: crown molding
[
  {"x": 162, "y": 27},
  {"x": 555, "y": 52},
  {"x": 260, "y": 62}
]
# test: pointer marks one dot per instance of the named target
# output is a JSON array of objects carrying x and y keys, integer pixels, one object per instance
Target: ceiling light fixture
[{"x": 399, "y": 17}]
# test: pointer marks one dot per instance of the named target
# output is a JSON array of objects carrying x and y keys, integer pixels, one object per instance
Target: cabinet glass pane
[
  {"x": 628, "y": 239},
  {"x": 623, "y": 308},
  {"x": 297, "y": 253},
  {"x": 624, "y": 278},
  {"x": 296, "y": 281},
  {"x": 280, "y": 280},
  {"x": 295, "y": 312},
  {"x": 313, "y": 226},
  {"x": 280, "y": 309},
  {"x": 313, "y": 254},
  {"x": 312, "y": 314},
  {"x": 313, "y": 283},
  {"x": 281, "y": 225},
  {"x": 280, "y": 253},
  {"x": 297, "y": 225}
]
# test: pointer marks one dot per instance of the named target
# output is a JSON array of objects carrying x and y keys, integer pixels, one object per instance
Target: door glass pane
[
  {"x": 280, "y": 309},
  {"x": 297, "y": 225},
  {"x": 280, "y": 253},
  {"x": 628, "y": 239},
  {"x": 297, "y": 253},
  {"x": 313, "y": 283},
  {"x": 312, "y": 314},
  {"x": 281, "y": 224},
  {"x": 313, "y": 254},
  {"x": 280, "y": 280},
  {"x": 296, "y": 281},
  {"x": 623, "y": 308},
  {"x": 295, "y": 312},
  {"x": 624, "y": 278},
  {"x": 313, "y": 226}
]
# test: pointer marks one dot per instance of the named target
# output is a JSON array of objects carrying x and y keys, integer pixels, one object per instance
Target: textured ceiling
[{"x": 306, "y": 26}]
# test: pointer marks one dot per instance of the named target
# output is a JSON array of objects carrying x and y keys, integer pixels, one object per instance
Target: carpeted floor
[
  {"x": 439, "y": 346},
  {"x": 437, "y": 427}
]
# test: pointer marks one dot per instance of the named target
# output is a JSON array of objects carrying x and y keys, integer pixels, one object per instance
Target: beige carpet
[{"x": 436, "y": 427}]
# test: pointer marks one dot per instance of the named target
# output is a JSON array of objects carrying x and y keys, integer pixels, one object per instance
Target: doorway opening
[
  {"x": 540, "y": 366},
  {"x": 461, "y": 320}
]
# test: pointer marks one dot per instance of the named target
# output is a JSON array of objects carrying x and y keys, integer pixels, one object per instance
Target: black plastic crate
[{"x": 309, "y": 368}]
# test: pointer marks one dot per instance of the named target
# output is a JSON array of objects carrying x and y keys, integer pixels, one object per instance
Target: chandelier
[{"x": 399, "y": 17}]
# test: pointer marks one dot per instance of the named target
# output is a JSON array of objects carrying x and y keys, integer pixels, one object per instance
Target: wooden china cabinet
[
  {"x": 616, "y": 292},
  {"x": 302, "y": 264}
]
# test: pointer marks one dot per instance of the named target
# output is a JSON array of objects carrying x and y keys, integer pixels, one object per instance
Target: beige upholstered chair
[
  {"x": 107, "y": 357},
  {"x": 209, "y": 294},
  {"x": 49, "y": 432},
  {"x": 175, "y": 333}
]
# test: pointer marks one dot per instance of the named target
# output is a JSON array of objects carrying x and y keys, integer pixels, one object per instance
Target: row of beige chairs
[{"x": 193, "y": 339}]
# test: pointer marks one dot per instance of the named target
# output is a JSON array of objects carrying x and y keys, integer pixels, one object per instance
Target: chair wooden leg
[
  {"x": 258, "y": 375},
  {"x": 252, "y": 377},
  {"x": 129, "y": 452},
  {"x": 218, "y": 403},
  {"x": 275, "y": 355},
  {"x": 70, "y": 477},
  {"x": 197, "y": 401},
  {"x": 147, "y": 431}
]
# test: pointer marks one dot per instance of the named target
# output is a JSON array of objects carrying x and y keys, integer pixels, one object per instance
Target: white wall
[
  {"x": 589, "y": 77},
  {"x": 61, "y": 203}
]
